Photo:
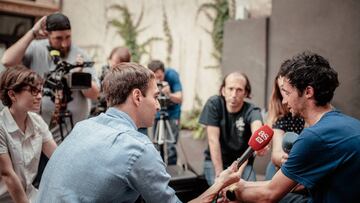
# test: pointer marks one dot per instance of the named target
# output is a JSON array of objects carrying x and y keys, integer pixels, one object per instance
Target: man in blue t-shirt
[
  {"x": 170, "y": 100},
  {"x": 325, "y": 159}
]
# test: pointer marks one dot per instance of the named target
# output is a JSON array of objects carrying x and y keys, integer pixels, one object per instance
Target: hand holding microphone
[{"x": 259, "y": 140}]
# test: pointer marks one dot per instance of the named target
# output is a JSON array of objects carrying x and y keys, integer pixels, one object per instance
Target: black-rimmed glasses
[{"x": 34, "y": 91}]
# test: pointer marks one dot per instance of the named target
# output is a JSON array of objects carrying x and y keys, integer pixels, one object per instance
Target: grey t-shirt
[{"x": 37, "y": 58}]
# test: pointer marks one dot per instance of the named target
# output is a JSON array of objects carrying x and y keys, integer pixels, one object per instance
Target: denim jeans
[
  {"x": 270, "y": 171},
  {"x": 209, "y": 172}
]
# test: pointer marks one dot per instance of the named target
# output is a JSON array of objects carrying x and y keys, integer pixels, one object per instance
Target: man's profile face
[
  {"x": 60, "y": 40},
  {"x": 234, "y": 92},
  {"x": 291, "y": 98},
  {"x": 159, "y": 75},
  {"x": 149, "y": 105}
]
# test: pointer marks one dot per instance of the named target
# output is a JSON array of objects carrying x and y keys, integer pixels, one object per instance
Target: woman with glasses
[{"x": 23, "y": 134}]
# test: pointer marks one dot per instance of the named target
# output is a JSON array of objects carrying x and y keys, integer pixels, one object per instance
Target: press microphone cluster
[{"x": 258, "y": 141}]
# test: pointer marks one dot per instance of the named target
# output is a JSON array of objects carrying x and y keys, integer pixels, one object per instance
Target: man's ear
[
  {"x": 309, "y": 92},
  {"x": 136, "y": 96},
  {"x": 223, "y": 91}
]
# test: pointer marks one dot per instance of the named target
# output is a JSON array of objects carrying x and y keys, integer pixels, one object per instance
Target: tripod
[
  {"x": 163, "y": 135},
  {"x": 62, "y": 122},
  {"x": 60, "y": 114}
]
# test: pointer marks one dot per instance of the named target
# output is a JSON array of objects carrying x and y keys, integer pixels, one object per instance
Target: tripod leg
[
  {"x": 170, "y": 142},
  {"x": 161, "y": 135},
  {"x": 155, "y": 135},
  {"x": 71, "y": 121},
  {"x": 61, "y": 131},
  {"x": 171, "y": 137}
]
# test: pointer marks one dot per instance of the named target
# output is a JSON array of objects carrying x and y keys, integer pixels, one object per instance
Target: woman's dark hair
[
  {"x": 276, "y": 108},
  {"x": 16, "y": 78}
]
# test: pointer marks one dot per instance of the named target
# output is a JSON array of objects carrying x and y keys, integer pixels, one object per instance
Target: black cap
[{"x": 57, "y": 21}]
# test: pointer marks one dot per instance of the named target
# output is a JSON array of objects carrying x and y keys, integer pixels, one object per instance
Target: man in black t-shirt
[{"x": 230, "y": 122}]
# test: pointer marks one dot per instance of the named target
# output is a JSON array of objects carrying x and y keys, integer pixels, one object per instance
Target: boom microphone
[
  {"x": 288, "y": 141},
  {"x": 55, "y": 56},
  {"x": 258, "y": 141}
]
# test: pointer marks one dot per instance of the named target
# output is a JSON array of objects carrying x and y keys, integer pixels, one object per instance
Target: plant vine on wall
[
  {"x": 168, "y": 37},
  {"x": 218, "y": 12},
  {"x": 129, "y": 31}
]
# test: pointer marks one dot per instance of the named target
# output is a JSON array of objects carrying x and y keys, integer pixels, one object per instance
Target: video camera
[
  {"x": 62, "y": 79},
  {"x": 163, "y": 99}
]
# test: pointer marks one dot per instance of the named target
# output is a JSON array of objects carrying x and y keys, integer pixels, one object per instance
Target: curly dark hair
[
  {"x": 16, "y": 78},
  {"x": 122, "y": 79},
  {"x": 310, "y": 69}
]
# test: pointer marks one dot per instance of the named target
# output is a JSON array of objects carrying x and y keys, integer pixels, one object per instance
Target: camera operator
[
  {"x": 53, "y": 32},
  {"x": 117, "y": 55},
  {"x": 170, "y": 87}
]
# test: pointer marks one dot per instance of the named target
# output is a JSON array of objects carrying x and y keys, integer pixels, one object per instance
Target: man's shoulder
[
  {"x": 171, "y": 73},
  {"x": 111, "y": 129},
  {"x": 215, "y": 100},
  {"x": 170, "y": 70},
  {"x": 43, "y": 43},
  {"x": 75, "y": 51},
  {"x": 250, "y": 107},
  {"x": 337, "y": 124},
  {"x": 38, "y": 46}
]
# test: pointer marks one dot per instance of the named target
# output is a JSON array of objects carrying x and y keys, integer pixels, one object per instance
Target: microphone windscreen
[
  {"x": 261, "y": 138},
  {"x": 54, "y": 52},
  {"x": 288, "y": 141},
  {"x": 55, "y": 56}
]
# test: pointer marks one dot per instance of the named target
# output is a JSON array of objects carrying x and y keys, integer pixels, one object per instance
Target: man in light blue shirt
[{"x": 105, "y": 159}]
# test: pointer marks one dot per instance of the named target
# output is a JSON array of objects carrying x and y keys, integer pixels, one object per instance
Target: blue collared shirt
[{"x": 105, "y": 159}]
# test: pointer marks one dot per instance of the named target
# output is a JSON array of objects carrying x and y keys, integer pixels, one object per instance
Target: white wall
[{"x": 192, "y": 46}]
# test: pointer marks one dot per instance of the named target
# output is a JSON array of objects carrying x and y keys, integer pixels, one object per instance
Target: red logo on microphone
[{"x": 263, "y": 136}]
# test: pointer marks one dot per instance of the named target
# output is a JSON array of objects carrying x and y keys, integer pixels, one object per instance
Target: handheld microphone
[
  {"x": 258, "y": 141},
  {"x": 288, "y": 141}
]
